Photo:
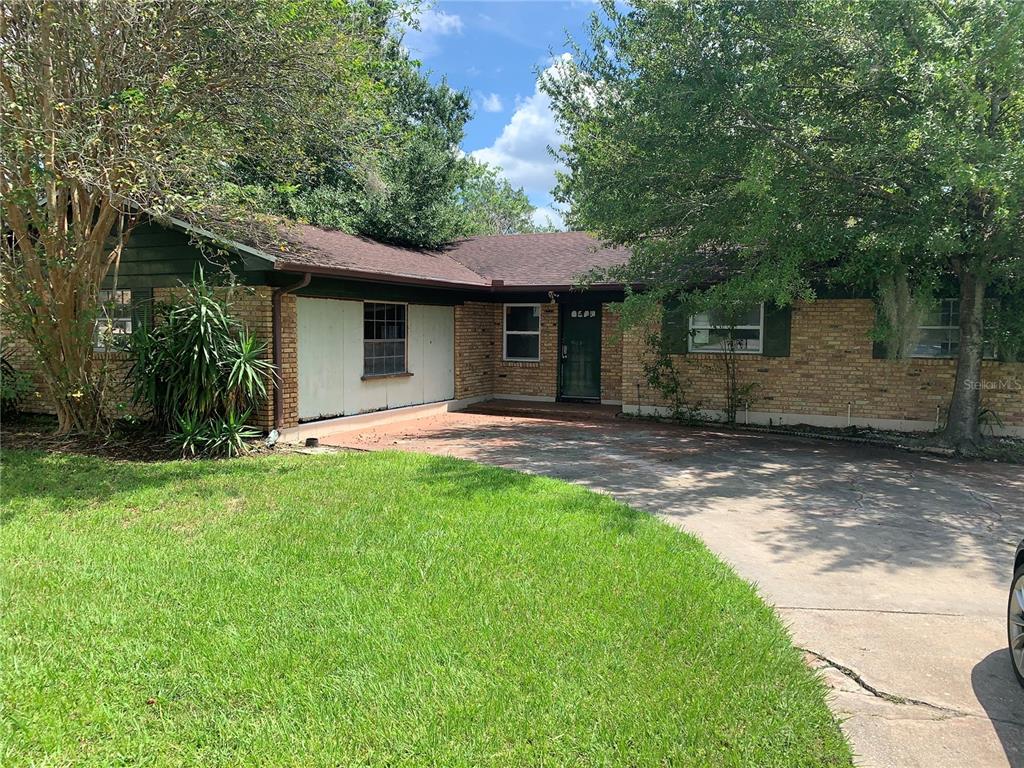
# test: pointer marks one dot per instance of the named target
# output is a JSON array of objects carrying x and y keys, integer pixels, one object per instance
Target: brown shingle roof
[
  {"x": 541, "y": 259},
  {"x": 331, "y": 250}
]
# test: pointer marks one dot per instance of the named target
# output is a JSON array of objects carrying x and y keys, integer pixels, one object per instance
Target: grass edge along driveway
[{"x": 376, "y": 609}]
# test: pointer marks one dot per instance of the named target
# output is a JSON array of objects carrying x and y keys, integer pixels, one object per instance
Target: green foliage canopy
[{"x": 768, "y": 146}]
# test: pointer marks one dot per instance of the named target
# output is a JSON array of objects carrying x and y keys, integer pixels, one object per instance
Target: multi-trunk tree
[
  {"x": 776, "y": 145},
  {"x": 112, "y": 109}
]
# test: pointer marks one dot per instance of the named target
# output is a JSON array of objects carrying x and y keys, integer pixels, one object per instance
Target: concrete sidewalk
[{"x": 891, "y": 569}]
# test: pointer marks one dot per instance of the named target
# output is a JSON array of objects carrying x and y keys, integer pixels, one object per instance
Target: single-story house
[{"x": 356, "y": 326}]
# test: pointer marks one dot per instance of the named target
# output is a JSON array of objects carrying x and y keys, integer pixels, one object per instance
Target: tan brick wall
[
  {"x": 118, "y": 394},
  {"x": 830, "y": 365},
  {"x": 289, "y": 361},
  {"x": 611, "y": 353},
  {"x": 480, "y": 369},
  {"x": 251, "y": 305},
  {"x": 474, "y": 349},
  {"x": 538, "y": 379}
]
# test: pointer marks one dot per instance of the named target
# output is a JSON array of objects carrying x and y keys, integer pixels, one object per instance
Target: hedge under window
[
  {"x": 383, "y": 339},
  {"x": 522, "y": 332},
  {"x": 114, "y": 322},
  {"x": 710, "y": 331}
]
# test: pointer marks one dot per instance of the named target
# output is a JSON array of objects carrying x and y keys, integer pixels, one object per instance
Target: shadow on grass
[
  {"x": 64, "y": 482},
  {"x": 855, "y": 505},
  {"x": 461, "y": 480}
]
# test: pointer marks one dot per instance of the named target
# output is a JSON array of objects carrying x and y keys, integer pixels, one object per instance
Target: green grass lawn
[{"x": 380, "y": 610}]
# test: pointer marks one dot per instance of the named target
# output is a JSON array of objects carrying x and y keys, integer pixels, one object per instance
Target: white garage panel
[{"x": 330, "y": 359}]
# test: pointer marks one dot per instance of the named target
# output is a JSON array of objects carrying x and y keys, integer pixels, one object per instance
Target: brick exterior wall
[
  {"x": 829, "y": 366},
  {"x": 289, "y": 362},
  {"x": 611, "y": 354},
  {"x": 474, "y": 349},
  {"x": 538, "y": 379},
  {"x": 481, "y": 371},
  {"x": 118, "y": 395},
  {"x": 251, "y": 305}
]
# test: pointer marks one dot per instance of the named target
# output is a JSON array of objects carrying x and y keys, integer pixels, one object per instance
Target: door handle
[{"x": 565, "y": 351}]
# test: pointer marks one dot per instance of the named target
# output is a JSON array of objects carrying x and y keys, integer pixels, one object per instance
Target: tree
[
  {"x": 779, "y": 145},
  {"x": 406, "y": 194},
  {"x": 116, "y": 109},
  {"x": 421, "y": 192},
  {"x": 490, "y": 205}
]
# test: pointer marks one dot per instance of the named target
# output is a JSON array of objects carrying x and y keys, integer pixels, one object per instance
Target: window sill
[
  {"x": 530, "y": 360},
  {"x": 111, "y": 354},
  {"x": 377, "y": 376},
  {"x": 721, "y": 352}
]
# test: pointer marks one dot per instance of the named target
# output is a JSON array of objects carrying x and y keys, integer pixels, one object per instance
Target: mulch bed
[
  {"x": 1009, "y": 450},
  {"x": 126, "y": 442}
]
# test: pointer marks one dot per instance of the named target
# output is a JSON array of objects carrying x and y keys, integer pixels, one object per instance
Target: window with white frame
[
  {"x": 712, "y": 331},
  {"x": 384, "y": 332},
  {"x": 939, "y": 331},
  {"x": 522, "y": 332},
  {"x": 114, "y": 321}
]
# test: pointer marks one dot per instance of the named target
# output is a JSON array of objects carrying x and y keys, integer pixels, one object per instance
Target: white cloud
[
  {"x": 521, "y": 150},
  {"x": 424, "y": 40},
  {"x": 491, "y": 102},
  {"x": 545, "y": 216}
]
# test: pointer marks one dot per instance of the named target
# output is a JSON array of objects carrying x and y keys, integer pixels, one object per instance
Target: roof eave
[
  {"x": 232, "y": 244},
  {"x": 376, "y": 277},
  {"x": 380, "y": 277}
]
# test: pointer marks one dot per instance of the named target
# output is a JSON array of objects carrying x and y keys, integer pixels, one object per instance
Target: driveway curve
[{"x": 890, "y": 568}]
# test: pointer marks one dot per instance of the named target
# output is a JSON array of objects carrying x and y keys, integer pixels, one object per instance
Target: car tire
[{"x": 1014, "y": 629}]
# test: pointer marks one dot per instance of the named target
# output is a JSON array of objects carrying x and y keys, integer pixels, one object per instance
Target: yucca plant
[{"x": 199, "y": 372}]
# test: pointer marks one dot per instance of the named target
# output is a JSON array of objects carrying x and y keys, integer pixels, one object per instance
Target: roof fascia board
[
  {"x": 378, "y": 277},
  {"x": 232, "y": 244}
]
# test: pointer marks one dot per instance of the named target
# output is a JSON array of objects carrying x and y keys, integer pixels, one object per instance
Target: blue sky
[{"x": 494, "y": 51}]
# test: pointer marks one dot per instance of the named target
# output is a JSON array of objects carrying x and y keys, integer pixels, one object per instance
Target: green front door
[{"x": 579, "y": 370}]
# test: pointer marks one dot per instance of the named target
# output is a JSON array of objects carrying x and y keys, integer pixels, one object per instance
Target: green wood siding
[{"x": 162, "y": 257}]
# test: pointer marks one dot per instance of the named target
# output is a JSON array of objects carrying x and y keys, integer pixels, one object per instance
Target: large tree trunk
[{"x": 962, "y": 427}]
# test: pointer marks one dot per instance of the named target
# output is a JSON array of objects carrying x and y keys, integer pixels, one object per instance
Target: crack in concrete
[
  {"x": 869, "y": 610},
  {"x": 892, "y": 698},
  {"x": 895, "y": 698}
]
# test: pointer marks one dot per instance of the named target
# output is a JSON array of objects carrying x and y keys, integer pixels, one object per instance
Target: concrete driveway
[{"x": 891, "y": 569}]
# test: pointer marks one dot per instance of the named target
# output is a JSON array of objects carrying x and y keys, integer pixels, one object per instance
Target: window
[
  {"x": 114, "y": 322},
  {"x": 383, "y": 339},
  {"x": 939, "y": 331},
  {"x": 710, "y": 331},
  {"x": 522, "y": 332}
]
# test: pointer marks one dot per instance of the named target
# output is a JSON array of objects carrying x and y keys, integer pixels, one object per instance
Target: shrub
[
  {"x": 199, "y": 372},
  {"x": 14, "y": 386}
]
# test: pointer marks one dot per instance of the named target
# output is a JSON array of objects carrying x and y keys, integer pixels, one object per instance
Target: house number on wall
[{"x": 584, "y": 313}]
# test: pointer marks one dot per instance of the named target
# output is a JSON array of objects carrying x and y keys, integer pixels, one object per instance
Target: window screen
[
  {"x": 714, "y": 331},
  {"x": 522, "y": 331},
  {"x": 114, "y": 321},
  {"x": 383, "y": 339}
]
